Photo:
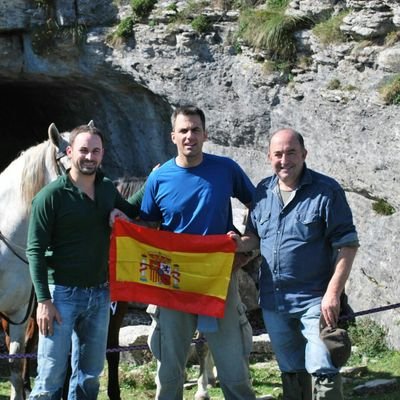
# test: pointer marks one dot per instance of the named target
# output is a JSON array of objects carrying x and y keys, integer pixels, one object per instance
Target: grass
[
  {"x": 369, "y": 350},
  {"x": 266, "y": 380},
  {"x": 271, "y": 30},
  {"x": 390, "y": 91},
  {"x": 137, "y": 382},
  {"x": 328, "y": 31}
]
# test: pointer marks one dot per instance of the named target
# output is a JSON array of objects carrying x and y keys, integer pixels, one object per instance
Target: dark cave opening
[{"x": 27, "y": 109}]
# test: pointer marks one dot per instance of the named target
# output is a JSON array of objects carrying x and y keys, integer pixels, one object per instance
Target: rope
[{"x": 256, "y": 332}]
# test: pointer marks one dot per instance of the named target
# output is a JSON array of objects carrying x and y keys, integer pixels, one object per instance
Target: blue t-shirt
[{"x": 196, "y": 200}]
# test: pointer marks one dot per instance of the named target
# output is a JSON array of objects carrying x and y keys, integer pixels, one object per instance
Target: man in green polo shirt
[{"x": 68, "y": 243}]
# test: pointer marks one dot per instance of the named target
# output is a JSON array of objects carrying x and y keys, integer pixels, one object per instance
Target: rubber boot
[
  {"x": 305, "y": 381},
  {"x": 296, "y": 386},
  {"x": 328, "y": 387}
]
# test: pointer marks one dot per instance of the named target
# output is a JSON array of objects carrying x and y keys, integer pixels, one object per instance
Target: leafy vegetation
[
  {"x": 390, "y": 91},
  {"x": 201, "y": 24},
  {"x": 333, "y": 84},
  {"x": 142, "y": 8},
  {"x": 125, "y": 28},
  {"x": 272, "y": 30},
  {"x": 369, "y": 339},
  {"x": 192, "y": 13},
  {"x": 382, "y": 207},
  {"x": 329, "y": 31}
]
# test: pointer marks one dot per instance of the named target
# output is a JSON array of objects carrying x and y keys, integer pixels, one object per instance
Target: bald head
[
  {"x": 289, "y": 131},
  {"x": 287, "y": 155}
]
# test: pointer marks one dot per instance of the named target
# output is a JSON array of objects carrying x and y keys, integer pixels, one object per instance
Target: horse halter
[{"x": 58, "y": 156}]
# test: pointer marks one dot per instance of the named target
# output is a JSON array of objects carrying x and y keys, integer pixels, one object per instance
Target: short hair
[
  {"x": 82, "y": 129},
  {"x": 296, "y": 134},
  {"x": 188, "y": 110}
]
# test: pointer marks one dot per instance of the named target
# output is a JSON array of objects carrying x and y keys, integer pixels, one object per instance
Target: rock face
[{"x": 58, "y": 64}]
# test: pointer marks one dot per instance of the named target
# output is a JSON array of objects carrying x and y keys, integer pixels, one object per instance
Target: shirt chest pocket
[
  {"x": 264, "y": 226},
  {"x": 308, "y": 226}
]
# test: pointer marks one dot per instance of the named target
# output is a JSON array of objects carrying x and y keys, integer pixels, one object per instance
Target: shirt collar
[{"x": 69, "y": 185}]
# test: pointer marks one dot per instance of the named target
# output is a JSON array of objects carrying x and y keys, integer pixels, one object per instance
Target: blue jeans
[
  {"x": 172, "y": 333},
  {"x": 296, "y": 343},
  {"x": 83, "y": 331}
]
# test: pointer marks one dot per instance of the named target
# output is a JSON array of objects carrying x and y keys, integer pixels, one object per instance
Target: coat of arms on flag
[{"x": 190, "y": 273}]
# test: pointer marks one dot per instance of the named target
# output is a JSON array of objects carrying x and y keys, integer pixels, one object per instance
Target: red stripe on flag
[
  {"x": 177, "y": 300},
  {"x": 175, "y": 241}
]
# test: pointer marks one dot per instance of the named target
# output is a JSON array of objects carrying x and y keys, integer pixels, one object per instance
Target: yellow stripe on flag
[{"x": 207, "y": 273}]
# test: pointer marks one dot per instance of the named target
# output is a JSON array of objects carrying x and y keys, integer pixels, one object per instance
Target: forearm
[
  {"x": 39, "y": 278},
  {"x": 342, "y": 270},
  {"x": 330, "y": 305}
]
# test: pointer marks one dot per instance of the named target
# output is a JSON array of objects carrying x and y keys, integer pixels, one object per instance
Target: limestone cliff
[{"x": 58, "y": 63}]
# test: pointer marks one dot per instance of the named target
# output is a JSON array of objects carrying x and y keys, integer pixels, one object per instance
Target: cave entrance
[
  {"x": 27, "y": 109},
  {"x": 134, "y": 121}
]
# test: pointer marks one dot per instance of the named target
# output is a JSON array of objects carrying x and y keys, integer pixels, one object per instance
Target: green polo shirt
[{"x": 69, "y": 233}]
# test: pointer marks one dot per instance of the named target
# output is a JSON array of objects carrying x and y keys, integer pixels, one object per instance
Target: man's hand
[
  {"x": 115, "y": 213},
  {"x": 330, "y": 309},
  {"x": 45, "y": 314},
  {"x": 245, "y": 243}
]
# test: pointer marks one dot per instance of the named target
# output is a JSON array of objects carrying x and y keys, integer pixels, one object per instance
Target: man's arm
[
  {"x": 330, "y": 305},
  {"x": 39, "y": 233}
]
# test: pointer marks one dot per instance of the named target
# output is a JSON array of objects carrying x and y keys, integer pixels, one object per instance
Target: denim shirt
[{"x": 299, "y": 240}]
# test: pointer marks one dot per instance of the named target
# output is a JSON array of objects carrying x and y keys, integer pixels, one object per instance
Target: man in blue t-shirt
[{"x": 191, "y": 193}]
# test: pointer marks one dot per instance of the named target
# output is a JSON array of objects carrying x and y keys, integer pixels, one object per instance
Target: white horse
[{"x": 19, "y": 182}]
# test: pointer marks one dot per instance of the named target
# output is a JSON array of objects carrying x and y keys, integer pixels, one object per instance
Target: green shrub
[
  {"x": 390, "y": 92},
  {"x": 142, "y": 8},
  {"x": 172, "y": 7},
  {"x": 329, "y": 31},
  {"x": 272, "y": 30},
  {"x": 142, "y": 376},
  {"x": 333, "y": 84},
  {"x": 369, "y": 339},
  {"x": 201, "y": 24},
  {"x": 125, "y": 28},
  {"x": 382, "y": 207},
  {"x": 277, "y": 4}
]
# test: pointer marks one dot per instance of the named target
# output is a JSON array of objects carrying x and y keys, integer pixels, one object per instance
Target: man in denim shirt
[{"x": 308, "y": 242}]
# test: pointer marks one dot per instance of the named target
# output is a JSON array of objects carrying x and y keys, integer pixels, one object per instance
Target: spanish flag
[{"x": 185, "y": 272}]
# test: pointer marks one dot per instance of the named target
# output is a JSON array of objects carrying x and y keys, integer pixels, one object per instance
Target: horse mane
[{"x": 34, "y": 169}]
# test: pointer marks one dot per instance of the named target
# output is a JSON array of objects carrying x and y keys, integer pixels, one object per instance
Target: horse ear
[
  {"x": 91, "y": 123},
  {"x": 54, "y": 134}
]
